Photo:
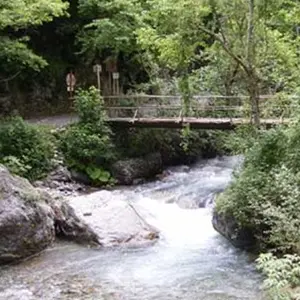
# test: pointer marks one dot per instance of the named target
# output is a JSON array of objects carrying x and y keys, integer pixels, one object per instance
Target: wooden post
[
  {"x": 98, "y": 69},
  {"x": 116, "y": 77}
]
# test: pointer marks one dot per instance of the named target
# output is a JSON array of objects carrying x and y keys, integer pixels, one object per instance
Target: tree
[
  {"x": 170, "y": 36},
  {"x": 259, "y": 41},
  {"x": 259, "y": 44},
  {"x": 110, "y": 27},
  {"x": 16, "y": 17}
]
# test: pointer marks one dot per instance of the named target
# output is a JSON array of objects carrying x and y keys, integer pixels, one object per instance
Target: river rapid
[{"x": 189, "y": 262}]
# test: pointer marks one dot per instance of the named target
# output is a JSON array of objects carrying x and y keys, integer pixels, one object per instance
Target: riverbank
[{"x": 260, "y": 208}]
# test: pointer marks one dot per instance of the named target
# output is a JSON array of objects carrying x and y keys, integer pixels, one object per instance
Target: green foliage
[
  {"x": 170, "y": 143},
  {"x": 25, "y": 149},
  {"x": 265, "y": 194},
  {"x": 282, "y": 276},
  {"x": 87, "y": 145},
  {"x": 171, "y": 32},
  {"x": 111, "y": 26},
  {"x": 242, "y": 139},
  {"x": 99, "y": 175},
  {"x": 185, "y": 137},
  {"x": 15, "y": 165},
  {"x": 89, "y": 107},
  {"x": 16, "y": 17}
]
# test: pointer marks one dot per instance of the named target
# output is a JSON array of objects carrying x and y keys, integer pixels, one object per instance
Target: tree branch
[
  {"x": 11, "y": 77},
  {"x": 226, "y": 49}
]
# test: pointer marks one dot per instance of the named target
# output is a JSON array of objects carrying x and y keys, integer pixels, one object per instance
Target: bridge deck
[{"x": 196, "y": 123}]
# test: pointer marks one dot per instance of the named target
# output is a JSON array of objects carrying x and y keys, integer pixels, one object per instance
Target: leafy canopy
[
  {"x": 110, "y": 26},
  {"x": 16, "y": 17}
]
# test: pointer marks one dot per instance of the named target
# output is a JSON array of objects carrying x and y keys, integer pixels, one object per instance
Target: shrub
[
  {"x": 267, "y": 204},
  {"x": 282, "y": 276},
  {"x": 87, "y": 145},
  {"x": 169, "y": 142},
  {"x": 265, "y": 198},
  {"x": 26, "y": 149}
]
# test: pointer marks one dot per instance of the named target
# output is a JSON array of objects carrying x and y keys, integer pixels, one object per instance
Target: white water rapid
[{"x": 190, "y": 261}]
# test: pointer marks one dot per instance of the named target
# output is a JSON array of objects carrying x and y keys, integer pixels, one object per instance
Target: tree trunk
[
  {"x": 253, "y": 81},
  {"x": 254, "y": 100}
]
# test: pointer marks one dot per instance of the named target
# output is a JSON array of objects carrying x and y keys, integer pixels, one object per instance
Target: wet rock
[
  {"x": 138, "y": 181},
  {"x": 30, "y": 218},
  {"x": 127, "y": 171},
  {"x": 242, "y": 238},
  {"x": 115, "y": 221},
  {"x": 80, "y": 177},
  {"x": 163, "y": 175},
  {"x": 69, "y": 226},
  {"x": 60, "y": 181},
  {"x": 60, "y": 174},
  {"x": 26, "y": 225}
]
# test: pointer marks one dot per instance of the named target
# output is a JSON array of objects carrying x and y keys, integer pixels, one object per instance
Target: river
[{"x": 190, "y": 261}]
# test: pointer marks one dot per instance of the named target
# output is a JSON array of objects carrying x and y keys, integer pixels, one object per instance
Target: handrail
[{"x": 179, "y": 96}]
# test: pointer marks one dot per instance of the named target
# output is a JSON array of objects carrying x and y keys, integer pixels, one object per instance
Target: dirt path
[{"x": 56, "y": 121}]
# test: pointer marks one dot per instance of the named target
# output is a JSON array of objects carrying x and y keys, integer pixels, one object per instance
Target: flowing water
[{"x": 189, "y": 262}]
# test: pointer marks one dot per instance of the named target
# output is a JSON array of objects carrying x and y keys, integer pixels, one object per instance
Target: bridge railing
[{"x": 212, "y": 106}]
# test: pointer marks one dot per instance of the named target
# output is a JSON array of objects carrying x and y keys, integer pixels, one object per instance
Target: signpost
[
  {"x": 116, "y": 76},
  {"x": 98, "y": 69}
]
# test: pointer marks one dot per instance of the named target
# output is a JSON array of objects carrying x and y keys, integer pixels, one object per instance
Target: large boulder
[
  {"x": 127, "y": 171},
  {"x": 116, "y": 220},
  {"x": 69, "y": 226},
  {"x": 30, "y": 218},
  {"x": 227, "y": 226},
  {"x": 26, "y": 225}
]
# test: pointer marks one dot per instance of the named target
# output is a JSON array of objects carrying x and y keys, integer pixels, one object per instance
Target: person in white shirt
[{"x": 70, "y": 81}]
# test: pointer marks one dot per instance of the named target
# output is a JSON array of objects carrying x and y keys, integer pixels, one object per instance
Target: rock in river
[
  {"x": 30, "y": 219},
  {"x": 26, "y": 225},
  {"x": 127, "y": 171},
  {"x": 114, "y": 219},
  {"x": 242, "y": 238}
]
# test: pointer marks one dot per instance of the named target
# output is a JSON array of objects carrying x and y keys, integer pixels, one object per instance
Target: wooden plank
[{"x": 201, "y": 123}]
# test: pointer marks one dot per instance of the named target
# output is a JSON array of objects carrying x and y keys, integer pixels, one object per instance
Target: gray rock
[
  {"x": 26, "y": 225},
  {"x": 80, "y": 177},
  {"x": 115, "y": 220},
  {"x": 60, "y": 174},
  {"x": 69, "y": 226},
  {"x": 127, "y": 171},
  {"x": 242, "y": 238},
  {"x": 30, "y": 218}
]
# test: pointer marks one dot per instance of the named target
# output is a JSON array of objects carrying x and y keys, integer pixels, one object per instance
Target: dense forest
[
  {"x": 163, "y": 47},
  {"x": 159, "y": 47}
]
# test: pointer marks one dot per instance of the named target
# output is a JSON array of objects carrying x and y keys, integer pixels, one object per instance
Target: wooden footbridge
[{"x": 203, "y": 112}]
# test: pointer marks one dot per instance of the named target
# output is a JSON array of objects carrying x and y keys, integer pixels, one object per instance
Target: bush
[
  {"x": 264, "y": 197},
  {"x": 267, "y": 204},
  {"x": 170, "y": 143},
  {"x": 282, "y": 276},
  {"x": 87, "y": 145},
  {"x": 26, "y": 149}
]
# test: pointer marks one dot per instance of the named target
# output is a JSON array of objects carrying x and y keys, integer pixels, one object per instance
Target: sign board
[
  {"x": 97, "y": 68},
  {"x": 116, "y": 75}
]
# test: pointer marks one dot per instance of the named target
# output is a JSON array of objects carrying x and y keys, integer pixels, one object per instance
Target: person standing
[{"x": 71, "y": 82}]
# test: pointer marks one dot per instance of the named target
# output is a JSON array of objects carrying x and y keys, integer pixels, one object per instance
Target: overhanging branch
[
  {"x": 11, "y": 77},
  {"x": 226, "y": 49}
]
